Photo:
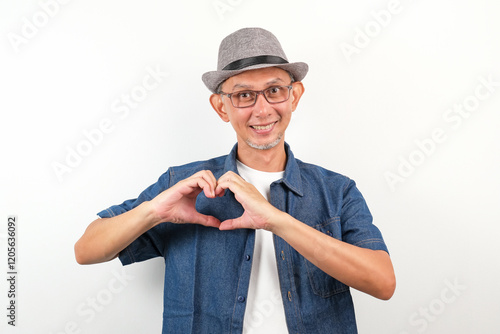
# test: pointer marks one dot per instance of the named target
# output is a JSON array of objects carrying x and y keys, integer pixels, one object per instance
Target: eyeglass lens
[{"x": 248, "y": 98}]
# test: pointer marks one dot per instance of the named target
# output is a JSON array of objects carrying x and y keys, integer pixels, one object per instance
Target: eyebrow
[{"x": 269, "y": 83}]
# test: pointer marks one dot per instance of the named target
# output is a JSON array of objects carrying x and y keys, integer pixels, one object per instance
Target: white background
[{"x": 362, "y": 115}]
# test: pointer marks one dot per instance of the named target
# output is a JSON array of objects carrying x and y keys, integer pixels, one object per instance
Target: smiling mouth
[{"x": 263, "y": 127}]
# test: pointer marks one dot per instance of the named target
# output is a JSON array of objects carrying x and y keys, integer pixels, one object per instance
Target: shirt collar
[{"x": 291, "y": 178}]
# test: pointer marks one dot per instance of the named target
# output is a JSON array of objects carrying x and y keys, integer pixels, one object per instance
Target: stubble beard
[{"x": 267, "y": 146}]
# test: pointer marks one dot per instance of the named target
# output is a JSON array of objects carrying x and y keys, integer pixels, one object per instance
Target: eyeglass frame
[{"x": 257, "y": 93}]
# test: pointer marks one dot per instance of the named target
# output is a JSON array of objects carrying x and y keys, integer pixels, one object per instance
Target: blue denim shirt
[{"x": 207, "y": 271}]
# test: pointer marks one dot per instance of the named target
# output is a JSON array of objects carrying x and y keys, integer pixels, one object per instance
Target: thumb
[
  {"x": 205, "y": 220},
  {"x": 231, "y": 224}
]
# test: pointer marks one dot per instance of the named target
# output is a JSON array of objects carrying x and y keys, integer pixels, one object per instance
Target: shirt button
[
  {"x": 248, "y": 257},
  {"x": 282, "y": 255},
  {"x": 329, "y": 233},
  {"x": 241, "y": 299}
]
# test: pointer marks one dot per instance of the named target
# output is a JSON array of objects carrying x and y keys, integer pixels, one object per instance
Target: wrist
[
  {"x": 280, "y": 222},
  {"x": 148, "y": 214}
]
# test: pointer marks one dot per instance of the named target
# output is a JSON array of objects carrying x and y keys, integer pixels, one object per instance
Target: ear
[
  {"x": 218, "y": 105},
  {"x": 297, "y": 91}
]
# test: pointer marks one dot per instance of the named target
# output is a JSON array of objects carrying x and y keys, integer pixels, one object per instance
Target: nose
[{"x": 261, "y": 106}]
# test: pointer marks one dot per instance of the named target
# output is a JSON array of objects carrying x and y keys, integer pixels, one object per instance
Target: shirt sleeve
[
  {"x": 357, "y": 221},
  {"x": 150, "y": 244}
]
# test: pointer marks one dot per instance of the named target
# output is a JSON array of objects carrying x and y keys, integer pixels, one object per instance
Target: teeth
[{"x": 258, "y": 127}]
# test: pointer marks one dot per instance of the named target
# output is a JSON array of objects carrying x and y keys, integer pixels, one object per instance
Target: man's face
[{"x": 261, "y": 126}]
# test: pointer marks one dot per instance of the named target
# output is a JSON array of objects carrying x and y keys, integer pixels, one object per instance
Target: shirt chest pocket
[{"x": 322, "y": 284}]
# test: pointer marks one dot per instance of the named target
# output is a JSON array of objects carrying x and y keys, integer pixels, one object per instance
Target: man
[{"x": 255, "y": 241}]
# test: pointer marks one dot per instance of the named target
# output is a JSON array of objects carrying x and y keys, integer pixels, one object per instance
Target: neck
[{"x": 270, "y": 160}]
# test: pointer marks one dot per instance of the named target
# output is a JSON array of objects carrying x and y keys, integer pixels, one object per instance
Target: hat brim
[{"x": 214, "y": 78}]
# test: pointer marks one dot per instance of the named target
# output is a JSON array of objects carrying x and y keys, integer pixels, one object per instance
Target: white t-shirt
[{"x": 264, "y": 312}]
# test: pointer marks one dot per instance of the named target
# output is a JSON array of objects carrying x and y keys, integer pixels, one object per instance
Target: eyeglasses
[{"x": 248, "y": 98}]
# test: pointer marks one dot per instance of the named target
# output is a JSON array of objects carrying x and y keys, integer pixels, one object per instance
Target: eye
[
  {"x": 275, "y": 90},
  {"x": 244, "y": 95}
]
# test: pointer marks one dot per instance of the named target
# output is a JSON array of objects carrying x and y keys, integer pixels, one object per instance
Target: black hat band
[{"x": 246, "y": 62}]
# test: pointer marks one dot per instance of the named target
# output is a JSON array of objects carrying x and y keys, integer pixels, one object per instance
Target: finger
[
  {"x": 192, "y": 186},
  {"x": 208, "y": 176},
  {"x": 229, "y": 180},
  {"x": 227, "y": 225},
  {"x": 203, "y": 180},
  {"x": 232, "y": 224},
  {"x": 205, "y": 220},
  {"x": 220, "y": 193},
  {"x": 220, "y": 190},
  {"x": 210, "y": 180}
]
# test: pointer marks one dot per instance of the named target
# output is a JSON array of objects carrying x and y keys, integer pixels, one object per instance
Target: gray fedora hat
[{"x": 250, "y": 49}]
